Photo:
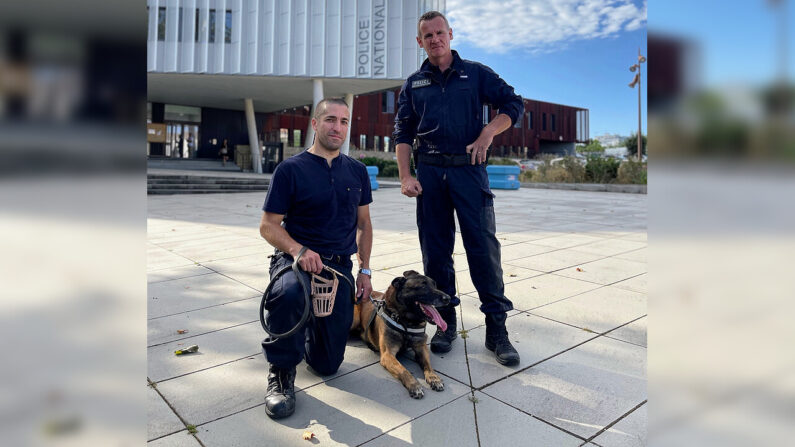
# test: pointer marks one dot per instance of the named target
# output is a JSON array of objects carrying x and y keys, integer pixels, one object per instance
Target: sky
[{"x": 571, "y": 52}]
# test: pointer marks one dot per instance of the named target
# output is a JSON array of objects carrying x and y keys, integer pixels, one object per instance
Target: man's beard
[{"x": 328, "y": 145}]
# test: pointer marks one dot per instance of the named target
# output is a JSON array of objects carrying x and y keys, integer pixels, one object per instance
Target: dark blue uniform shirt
[
  {"x": 444, "y": 111},
  {"x": 320, "y": 203}
]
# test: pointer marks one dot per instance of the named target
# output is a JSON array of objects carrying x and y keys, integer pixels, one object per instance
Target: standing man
[
  {"x": 323, "y": 198},
  {"x": 441, "y": 105}
]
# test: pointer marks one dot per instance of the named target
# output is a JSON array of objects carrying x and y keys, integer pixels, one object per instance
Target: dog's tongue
[{"x": 434, "y": 314}]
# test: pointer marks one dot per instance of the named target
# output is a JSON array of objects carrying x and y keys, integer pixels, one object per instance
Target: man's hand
[
  {"x": 310, "y": 262},
  {"x": 363, "y": 287},
  {"x": 480, "y": 146},
  {"x": 410, "y": 187}
]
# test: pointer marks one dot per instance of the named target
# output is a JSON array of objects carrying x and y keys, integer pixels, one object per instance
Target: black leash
[{"x": 295, "y": 267}]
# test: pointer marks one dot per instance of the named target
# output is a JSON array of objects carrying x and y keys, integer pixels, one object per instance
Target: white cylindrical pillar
[
  {"x": 253, "y": 141},
  {"x": 345, "y": 149},
  {"x": 317, "y": 96}
]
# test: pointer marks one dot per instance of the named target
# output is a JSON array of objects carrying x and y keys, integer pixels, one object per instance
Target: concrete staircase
[
  {"x": 202, "y": 184},
  {"x": 199, "y": 164}
]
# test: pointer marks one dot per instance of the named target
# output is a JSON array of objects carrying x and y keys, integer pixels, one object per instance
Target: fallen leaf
[
  {"x": 533, "y": 287},
  {"x": 579, "y": 269},
  {"x": 182, "y": 331},
  {"x": 513, "y": 275},
  {"x": 588, "y": 330},
  {"x": 463, "y": 333},
  {"x": 308, "y": 435},
  {"x": 474, "y": 399}
]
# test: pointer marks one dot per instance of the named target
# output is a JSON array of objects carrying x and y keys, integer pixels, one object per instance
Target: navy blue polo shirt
[{"x": 320, "y": 202}]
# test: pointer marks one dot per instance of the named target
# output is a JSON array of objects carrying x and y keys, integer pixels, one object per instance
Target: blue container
[
  {"x": 503, "y": 177},
  {"x": 372, "y": 171}
]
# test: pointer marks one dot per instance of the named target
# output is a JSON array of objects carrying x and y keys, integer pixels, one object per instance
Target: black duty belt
[
  {"x": 444, "y": 160},
  {"x": 336, "y": 259}
]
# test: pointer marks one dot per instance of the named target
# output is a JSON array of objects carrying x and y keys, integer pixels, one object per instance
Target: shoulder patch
[{"x": 420, "y": 83}]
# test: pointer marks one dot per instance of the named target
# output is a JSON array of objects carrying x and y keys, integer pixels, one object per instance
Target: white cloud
[{"x": 539, "y": 25}]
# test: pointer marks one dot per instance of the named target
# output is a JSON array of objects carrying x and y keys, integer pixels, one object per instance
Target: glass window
[
  {"x": 376, "y": 143},
  {"x": 553, "y": 122},
  {"x": 211, "y": 39},
  {"x": 386, "y": 144},
  {"x": 228, "y": 27},
  {"x": 179, "y": 29},
  {"x": 485, "y": 115},
  {"x": 544, "y": 121},
  {"x": 388, "y": 102},
  {"x": 529, "y": 120},
  {"x": 196, "y": 29},
  {"x": 161, "y": 23},
  {"x": 296, "y": 137},
  {"x": 362, "y": 142},
  {"x": 283, "y": 135},
  {"x": 518, "y": 123}
]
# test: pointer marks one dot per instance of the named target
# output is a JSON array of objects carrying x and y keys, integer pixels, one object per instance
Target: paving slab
[
  {"x": 533, "y": 337},
  {"x": 469, "y": 313},
  {"x": 182, "y": 295},
  {"x": 543, "y": 289},
  {"x": 510, "y": 274},
  {"x": 628, "y": 432},
  {"x": 555, "y": 260},
  {"x": 348, "y": 410},
  {"x": 597, "y": 310},
  {"x": 517, "y": 250},
  {"x": 581, "y": 390},
  {"x": 605, "y": 271},
  {"x": 181, "y": 439},
  {"x": 159, "y": 258},
  {"x": 161, "y": 419},
  {"x": 633, "y": 333},
  {"x": 612, "y": 247},
  {"x": 639, "y": 283},
  {"x": 220, "y": 391},
  {"x": 215, "y": 348},
  {"x": 168, "y": 274},
  {"x": 197, "y": 322}
]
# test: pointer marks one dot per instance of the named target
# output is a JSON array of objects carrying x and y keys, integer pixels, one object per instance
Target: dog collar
[{"x": 379, "y": 305}]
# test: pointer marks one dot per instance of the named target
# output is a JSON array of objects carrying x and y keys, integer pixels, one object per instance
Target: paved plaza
[{"x": 574, "y": 265}]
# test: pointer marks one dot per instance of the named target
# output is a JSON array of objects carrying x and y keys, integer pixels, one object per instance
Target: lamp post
[{"x": 636, "y": 80}]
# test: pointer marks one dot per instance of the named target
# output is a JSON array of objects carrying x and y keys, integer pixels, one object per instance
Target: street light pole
[{"x": 636, "y": 80}]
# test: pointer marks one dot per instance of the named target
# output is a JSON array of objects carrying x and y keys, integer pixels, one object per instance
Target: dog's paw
[
  {"x": 435, "y": 383},
  {"x": 415, "y": 391}
]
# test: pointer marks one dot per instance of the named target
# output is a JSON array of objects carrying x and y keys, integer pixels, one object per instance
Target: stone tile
[
  {"x": 393, "y": 247},
  {"x": 639, "y": 255},
  {"x": 161, "y": 420},
  {"x": 199, "y": 399},
  {"x": 639, "y": 236},
  {"x": 181, "y": 439},
  {"x": 222, "y": 265},
  {"x": 581, "y": 390},
  {"x": 222, "y": 239},
  {"x": 634, "y": 332},
  {"x": 181, "y": 295},
  {"x": 214, "y": 349},
  {"x": 605, "y": 271},
  {"x": 523, "y": 250},
  {"x": 526, "y": 236},
  {"x": 159, "y": 258},
  {"x": 568, "y": 240},
  {"x": 499, "y": 424},
  {"x": 636, "y": 284},
  {"x": 628, "y": 432},
  {"x": 544, "y": 289},
  {"x": 255, "y": 276},
  {"x": 510, "y": 274},
  {"x": 392, "y": 260},
  {"x": 534, "y": 338},
  {"x": 611, "y": 247},
  {"x": 197, "y": 322},
  {"x": 211, "y": 253},
  {"x": 452, "y": 424},
  {"x": 556, "y": 260},
  {"x": 469, "y": 314},
  {"x": 348, "y": 410},
  {"x": 597, "y": 310},
  {"x": 168, "y": 274}
]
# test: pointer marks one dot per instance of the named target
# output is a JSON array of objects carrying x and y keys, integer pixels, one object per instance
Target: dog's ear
[
  {"x": 409, "y": 273},
  {"x": 398, "y": 282}
]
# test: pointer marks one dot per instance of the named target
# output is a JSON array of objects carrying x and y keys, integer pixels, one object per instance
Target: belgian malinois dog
[{"x": 396, "y": 319}]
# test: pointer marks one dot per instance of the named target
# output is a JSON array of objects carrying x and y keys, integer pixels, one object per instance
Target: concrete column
[
  {"x": 317, "y": 95},
  {"x": 347, "y": 144},
  {"x": 253, "y": 141}
]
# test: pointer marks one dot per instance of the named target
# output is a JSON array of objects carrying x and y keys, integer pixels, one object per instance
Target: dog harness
[{"x": 380, "y": 310}]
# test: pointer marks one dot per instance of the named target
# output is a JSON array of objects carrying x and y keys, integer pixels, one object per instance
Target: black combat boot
[
  {"x": 497, "y": 339},
  {"x": 442, "y": 340},
  {"x": 280, "y": 398}
]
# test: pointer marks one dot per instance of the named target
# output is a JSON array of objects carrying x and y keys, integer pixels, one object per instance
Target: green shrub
[
  {"x": 566, "y": 170},
  {"x": 601, "y": 170},
  {"x": 390, "y": 170},
  {"x": 633, "y": 172},
  {"x": 502, "y": 161}
]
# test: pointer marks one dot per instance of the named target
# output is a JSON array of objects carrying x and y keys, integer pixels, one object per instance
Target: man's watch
[{"x": 366, "y": 272}]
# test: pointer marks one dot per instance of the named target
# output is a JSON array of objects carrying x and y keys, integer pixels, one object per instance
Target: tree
[
  {"x": 593, "y": 147},
  {"x": 631, "y": 144}
]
